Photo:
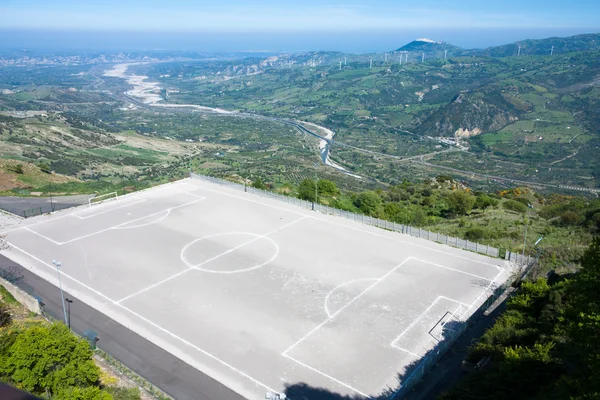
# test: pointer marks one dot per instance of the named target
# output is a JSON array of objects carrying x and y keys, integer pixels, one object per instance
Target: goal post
[{"x": 103, "y": 198}]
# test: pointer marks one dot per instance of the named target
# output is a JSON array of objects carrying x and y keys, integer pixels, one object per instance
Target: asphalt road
[{"x": 159, "y": 367}]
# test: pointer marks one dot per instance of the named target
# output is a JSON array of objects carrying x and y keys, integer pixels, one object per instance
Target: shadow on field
[{"x": 414, "y": 371}]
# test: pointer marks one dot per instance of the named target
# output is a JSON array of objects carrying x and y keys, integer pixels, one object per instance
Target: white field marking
[
  {"x": 482, "y": 293},
  {"x": 125, "y": 223},
  {"x": 416, "y": 320},
  {"x": 408, "y": 351},
  {"x": 167, "y": 213},
  {"x": 452, "y": 269},
  {"x": 106, "y": 211},
  {"x": 347, "y": 305},
  {"x": 328, "y": 376},
  {"x": 350, "y": 227},
  {"x": 146, "y": 320},
  {"x": 52, "y": 217},
  {"x": 203, "y": 263},
  {"x": 40, "y": 235},
  {"x": 340, "y": 286},
  {"x": 256, "y": 237}
]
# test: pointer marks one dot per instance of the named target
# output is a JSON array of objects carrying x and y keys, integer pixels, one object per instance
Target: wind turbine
[
  {"x": 423, "y": 58},
  {"x": 519, "y": 52},
  {"x": 344, "y": 61},
  {"x": 552, "y": 51},
  {"x": 445, "y": 54},
  {"x": 340, "y": 65},
  {"x": 370, "y": 62}
]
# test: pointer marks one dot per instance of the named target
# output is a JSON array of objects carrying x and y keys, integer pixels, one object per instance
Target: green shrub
[
  {"x": 475, "y": 234},
  {"x": 6, "y": 296},
  {"x": 514, "y": 206},
  {"x": 460, "y": 202},
  {"x": 123, "y": 393}
]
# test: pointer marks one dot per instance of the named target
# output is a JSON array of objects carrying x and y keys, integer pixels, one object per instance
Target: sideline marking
[
  {"x": 342, "y": 225},
  {"x": 340, "y": 286},
  {"x": 327, "y": 376},
  {"x": 209, "y": 260},
  {"x": 184, "y": 341},
  {"x": 452, "y": 269}
]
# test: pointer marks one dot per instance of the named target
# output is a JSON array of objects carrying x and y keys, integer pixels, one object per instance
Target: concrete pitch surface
[{"x": 257, "y": 293}]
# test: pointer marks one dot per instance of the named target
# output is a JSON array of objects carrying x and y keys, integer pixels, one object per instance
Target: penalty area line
[{"x": 327, "y": 376}]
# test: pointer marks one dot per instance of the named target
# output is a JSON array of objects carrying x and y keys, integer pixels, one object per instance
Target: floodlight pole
[{"x": 58, "y": 265}]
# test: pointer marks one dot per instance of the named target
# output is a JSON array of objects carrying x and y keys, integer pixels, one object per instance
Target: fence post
[
  {"x": 476, "y": 247},
  {"x": 419, "y": 233}
]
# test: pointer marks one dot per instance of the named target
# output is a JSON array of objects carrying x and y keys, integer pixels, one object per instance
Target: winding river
[{"x": 148, "y": 93}]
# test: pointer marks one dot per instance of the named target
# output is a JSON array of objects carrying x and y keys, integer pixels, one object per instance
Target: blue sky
[{"x": 470, "y": 23}]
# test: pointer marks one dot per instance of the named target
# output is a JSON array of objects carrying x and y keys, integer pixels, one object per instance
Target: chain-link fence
[{"x": 365, "y": 219}]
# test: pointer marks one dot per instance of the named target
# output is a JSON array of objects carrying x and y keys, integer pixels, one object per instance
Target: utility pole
[
  {"x": 445, "y": 54},
  {"x": 370, "y": 62},
  {"x": 423, "y": 58},
  {"x": 345, "y": 59},
  {"x": 69, "y": 301},
  {"x": 340, "y": 65},
  {"x": 552, "y": 51},
  {"x": 58, "y": 265},
  {"x": 519, "y": 52}
]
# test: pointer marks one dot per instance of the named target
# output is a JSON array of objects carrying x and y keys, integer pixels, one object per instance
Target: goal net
[{"x": 103, "y": 198}]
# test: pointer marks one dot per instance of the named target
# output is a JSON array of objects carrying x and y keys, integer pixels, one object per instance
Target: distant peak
[{"x": 426, "y": 40}]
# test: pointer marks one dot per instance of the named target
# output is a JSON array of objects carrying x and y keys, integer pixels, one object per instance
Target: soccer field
[{"x": 257, "y": 293}]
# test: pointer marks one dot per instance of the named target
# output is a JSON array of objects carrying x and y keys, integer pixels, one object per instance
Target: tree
[
  {"x": 369, "y": 203},
  {"x": 259, "y": 184},
  {"x": 306, "y": 190},
  {"x": 327, "y": 188},
  {"x": 460, "y": 202},
  {"x": 49, "y": 360}
]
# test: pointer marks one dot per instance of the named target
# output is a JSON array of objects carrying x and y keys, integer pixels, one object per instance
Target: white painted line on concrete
[
  {"x": 197, "y": 267},
  {"x": 431, "y": 248},
  {"x": 328, "y": 376},
  {"x": 415, "y": 321},
  {"x": 106, "y": 211},
  {"x": 124, "y": 226},
  {"x": 256, "y": 237},
  {"x": 482, "y": 293},
  {"x": 346, "y": 306},
  {"x": 453, "y": 269},
  {"x": 43, "y": 236},
  {"x": 187, "y": 343},
  {"x": 119, "y": 226},
  {"x": 329, "y": 314},
  {"x": 408, "y": 351}
]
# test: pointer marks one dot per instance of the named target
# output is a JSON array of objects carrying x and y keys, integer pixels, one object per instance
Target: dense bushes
[
  {"x": 545, "y": 345},
  {"x": 515, "y": 206}
]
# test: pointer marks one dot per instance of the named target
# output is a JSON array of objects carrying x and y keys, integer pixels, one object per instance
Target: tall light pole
[{"x": 58, "y": 265}]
